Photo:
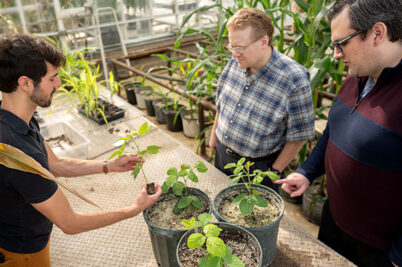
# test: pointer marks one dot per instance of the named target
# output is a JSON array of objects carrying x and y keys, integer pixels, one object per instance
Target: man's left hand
[{"x": 125, "y": 163}]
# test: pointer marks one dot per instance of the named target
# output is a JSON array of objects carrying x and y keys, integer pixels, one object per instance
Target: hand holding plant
[
  {"x": 144, "y": 128},
  {"x": 172, "y": 181},
  {"x": 218, "y": 253},
  {"x": 247, "y": 201}
]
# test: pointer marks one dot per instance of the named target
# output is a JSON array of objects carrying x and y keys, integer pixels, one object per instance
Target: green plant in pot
[
  {"x": 313, "y": 200},
  {"x": 205, "y": 238},
  {"x": 251, "y": 205},
  {"x": 152, "y": 149},
  {"x": 178, "y": 202},
  {"x": 173, "y": 116}
]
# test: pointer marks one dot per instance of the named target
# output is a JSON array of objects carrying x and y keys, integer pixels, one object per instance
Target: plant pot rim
[
  {"x": 172, "y": 232},
  {"x": 231, "y": 225},
  {"x": 238, "y": 185}
]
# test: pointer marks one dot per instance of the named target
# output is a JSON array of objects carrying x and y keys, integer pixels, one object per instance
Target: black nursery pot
[
  {"x": 149, "y": 104},
  {"x": 130, "y": 92},
  {"x": 172, "y": 124}
]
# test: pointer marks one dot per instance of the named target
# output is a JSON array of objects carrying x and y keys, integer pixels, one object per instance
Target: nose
[
  {"x": 235, "y": 53},
  {"x": 58, "y": 82},
  {"x": 337, "y": 53}
]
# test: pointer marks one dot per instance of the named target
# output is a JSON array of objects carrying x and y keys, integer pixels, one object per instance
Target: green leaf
[
  {"x": 182, "y": 173},
  {"x": 230, "y": 165},
  {"x": 178, "y": 188},
  {"x": 233, "y": 261},
  {"x": 153, "y": 149},
  {"x": 192, "y": 176},
  {"x": 234, "y": 180},
  {"x": 202, "y": 262},
  {"x": 205, "y": 218},
  {"x": 211, "y": 230},
  {"x": 188, "y": 224},
  {"x": 238, "y": 169},
  {"x": 239, "y": 198},
  {"x": 171, "y": 180},
  {"x": 196, "y": 203},
  {"x": 214, "y": 261},
  {"x": 136, "y": 170},
  {"x": 184, "y": 202},
  {"x": 216, "y": 246},
  {"x": 246, "y": 206},
  {"x": 241, "y": 161},
  {"x": 260, "y": 202},
  {"x": 184, "y": 167},
  {"x": 272, "y": 175},
  {"x": 200, "y": 166},
  {"x": 114, "y": 154},
  {"x": 195, "y": 240},
  {"x": 257, "y": 179},
  {"x": 143, "y": 128},
  {"x": 172, "y": 171},
  {"x": 165, "y": 188}
]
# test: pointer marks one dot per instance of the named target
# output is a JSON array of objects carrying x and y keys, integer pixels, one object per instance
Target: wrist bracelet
[{"x": 105, "y": 167}]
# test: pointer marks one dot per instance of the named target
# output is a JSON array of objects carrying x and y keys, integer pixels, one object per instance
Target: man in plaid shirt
[{"x": 263, "y": 100}]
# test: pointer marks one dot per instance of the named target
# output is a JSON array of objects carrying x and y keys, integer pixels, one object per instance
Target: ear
[
  {"x": 265, "y": 41},
  {"x": 380, "y": 33},
  {"x": 25, "y": 83}
]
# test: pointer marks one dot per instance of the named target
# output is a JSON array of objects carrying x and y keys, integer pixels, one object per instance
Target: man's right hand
[{"x": 295, "y": 184}]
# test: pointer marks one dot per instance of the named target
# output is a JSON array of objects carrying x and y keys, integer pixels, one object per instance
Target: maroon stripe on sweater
[{"x": 365, "y": 202}]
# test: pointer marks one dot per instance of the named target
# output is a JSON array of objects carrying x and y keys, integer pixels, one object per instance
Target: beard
[{"x": 39, "y": 97}]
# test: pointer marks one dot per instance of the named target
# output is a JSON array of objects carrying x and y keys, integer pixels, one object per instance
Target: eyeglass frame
[
  {"x": 338, "y": 44},
  {"x": 244, "y": 48}
]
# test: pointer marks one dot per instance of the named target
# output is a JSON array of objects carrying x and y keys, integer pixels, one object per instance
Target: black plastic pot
[
  {"x": 158, "y": 107},
  {"x": 140, "y": 94},
  {"x": 164, "y": 242},
  {"x": 173, "y": 118},
  {"x": 267, "y": 235},
  {"x": 313, "y": 203},
  {"x": 130, "y": 92},
  {"x": 239, "y": 232},
  {"x": 149, "y": 104},
  {"x": 117, "y": 113}
]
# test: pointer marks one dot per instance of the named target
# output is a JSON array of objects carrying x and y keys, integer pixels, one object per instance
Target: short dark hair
[
  {"x": 364, "y": 14},
  {"x": 23, "y": 54}
]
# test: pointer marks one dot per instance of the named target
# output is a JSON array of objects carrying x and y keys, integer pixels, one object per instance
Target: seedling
[
  {"x": 218, "y": 253},
  {"x": 179, "y": 188},
  {"x": 144, "y": 128},
  {"x": 247, "y": 201}
]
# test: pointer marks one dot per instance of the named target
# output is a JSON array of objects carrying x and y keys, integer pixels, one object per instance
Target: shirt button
[
  {"x": 238, "y": 105},
  {"x": 226, "y": 137},
  {"x": 231, "y": 121},
  {"x": 246, "y": 87}
]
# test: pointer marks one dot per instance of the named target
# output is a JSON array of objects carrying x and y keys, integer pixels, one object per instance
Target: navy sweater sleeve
[
  {"x": 395, "y": 253},
  {"x": 314, "y": 166}
]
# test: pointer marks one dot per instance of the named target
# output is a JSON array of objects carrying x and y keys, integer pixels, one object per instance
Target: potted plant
[
  {"x": 152, "y": 149},
  {"x": 149, "y": 102},
  {"x": 160, "y": 105},
  {"x": 85, "y": 92},
  {"x": 251, "y": 205},
  {"x": 177, "y": 202},
  {"x": 173, "y": 117},
  {"x": 217, "y": 244}
]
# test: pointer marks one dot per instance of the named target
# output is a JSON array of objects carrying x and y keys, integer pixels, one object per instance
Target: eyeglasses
[
  {"x": 240, "y": 49},
  {"x": 338, "y": 44}
]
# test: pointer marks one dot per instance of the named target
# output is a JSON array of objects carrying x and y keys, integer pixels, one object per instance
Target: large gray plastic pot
[
  {"x": 140, "y": 94},
  {"x": 267, "y": 235},
  {"x": 240, "y": 231},
  {"x": 164, "y": 241}
]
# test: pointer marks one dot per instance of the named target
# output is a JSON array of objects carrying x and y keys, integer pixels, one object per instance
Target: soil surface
[
  {"x": 243, "y": 246},
  {"x": 260, "y": 216},
  {"x": 161, "y": 213}
]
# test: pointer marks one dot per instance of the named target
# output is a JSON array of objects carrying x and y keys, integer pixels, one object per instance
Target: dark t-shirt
[{"x": 22, "y": 228}]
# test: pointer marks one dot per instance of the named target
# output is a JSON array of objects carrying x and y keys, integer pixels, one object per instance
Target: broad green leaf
[
  {"x": 182, "y": 173},
  {"x": 239, "y": 198},
  {"x": 233, "y": 261},
  {"x": 216, "y": 246},
  {"x": 211, "y": 230},
  {"x": 214, "y": 261},
  {"x": 14, "y": 158},
  {"x": 202, "y": 262},
  {"x": 183, "y": 202},
  {"x": 241, "y": 161},
  {"x": 246, "y": 206},
  {"x": 260, "y": 202},
  {"x": 184, "y": 167},
  {"x": 234, "y": 180},
  {"x": 165, "y": 188},
  {"x": 192, "y": 176},
  {"x": 230, "y": 165},
  {"x": 195, "y": 240},
  {"x": 171, "y": 180},
  {"x": 153, "y": 149},
  {"x": 205, "y": 218},
  {"x": 258, "y": 179},
  {"x": 136, "y": 171},
  {"x": 143, "y": 128},
  {"x": 238, "y": 169},
  {"x": 178, "y": 188},
  {"x": 188, "y": 224},
  {"x": 172, "y": 171},
  {"x": 272, "y": 175},
  {"x": 196, "y": 202},
  {"x": 200, "y": 166}
]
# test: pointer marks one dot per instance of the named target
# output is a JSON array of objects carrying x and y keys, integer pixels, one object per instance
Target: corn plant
[
  {"x": 247, "y": 201},
  {"x": 131, "y": 138},
  {"x": 180, "y": 189},
  {"x": 217, "y": 252}
]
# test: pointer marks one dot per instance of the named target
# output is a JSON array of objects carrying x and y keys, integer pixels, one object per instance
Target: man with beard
[{"x": 30, "y": 204}]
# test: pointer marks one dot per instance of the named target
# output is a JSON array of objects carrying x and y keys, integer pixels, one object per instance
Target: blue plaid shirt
[{"x": 259, "y": 113}]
